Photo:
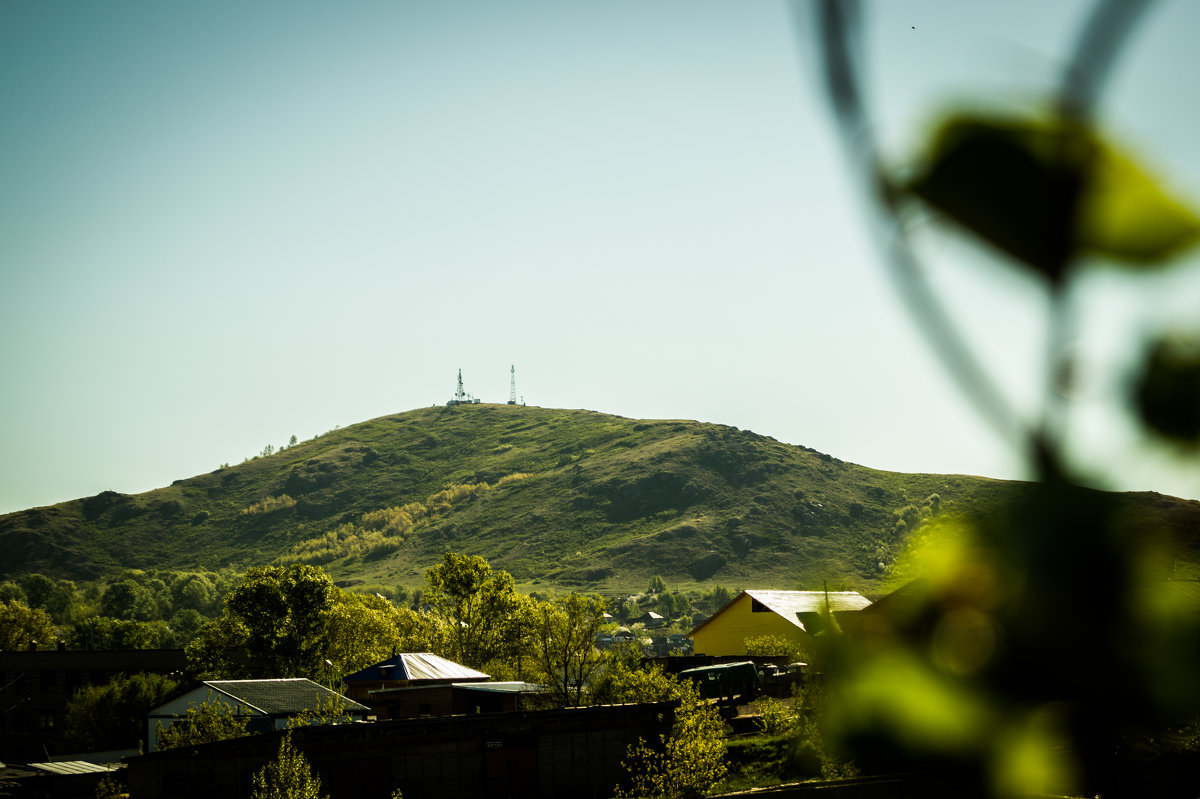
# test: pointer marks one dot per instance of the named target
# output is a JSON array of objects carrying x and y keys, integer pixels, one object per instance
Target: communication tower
[
  {"x": 462, "y": 397},
  {"x": 512, "y": 385}
]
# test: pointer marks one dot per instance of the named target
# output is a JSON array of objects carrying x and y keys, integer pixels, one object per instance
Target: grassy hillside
[{"x": 562, "y": 498}]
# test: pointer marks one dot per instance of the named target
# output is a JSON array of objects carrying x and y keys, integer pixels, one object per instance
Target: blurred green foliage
[{"x": 1035, "y": 648}]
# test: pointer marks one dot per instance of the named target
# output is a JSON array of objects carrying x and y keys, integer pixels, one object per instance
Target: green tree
[
  {"x": 205, "y": 723},
  {"x": 288, "y": 776},
  {"x": 113, "y": 715},
  {"x": 626, "y": 681},
  {"x": 657, "y": 585},
  {"x": 185, "y": 624},
  {"x": 361, "y": 630},
  {"x": 689, "y": 762},
  {"x": 23, "y": 627},
  {"x": 10, "y": 590},
  {"x": 37, "y": 588},
  {"x": 326, "y": 711},
  {"x": 103, "y": 633},
  {"x": 774, "y": 646},
  {"x": 272, "y": 625},
  {"x": 195, "y": 592},
  {"x": 129, "y": 600},
  {"x": 63, "y": 603},
  {"x": 481, "y": 611},
  {"x": 564, "y": 644}
]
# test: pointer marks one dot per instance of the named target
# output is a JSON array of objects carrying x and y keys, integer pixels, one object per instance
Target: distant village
[{"x": 417, "y": 722}]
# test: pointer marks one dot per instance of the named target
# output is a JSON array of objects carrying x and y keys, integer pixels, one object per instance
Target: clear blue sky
[{"x": 224, "y": 223}]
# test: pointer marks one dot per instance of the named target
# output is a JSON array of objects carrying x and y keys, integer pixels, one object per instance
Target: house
[
  {"x": 409, "y": 669},
  {"x": 268, "y": 703},
  {"x": 794, "y": 615},
  {"x": 456, "y": 698}
]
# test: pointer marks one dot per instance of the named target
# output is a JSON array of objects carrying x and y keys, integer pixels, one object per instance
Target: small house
[
  {"x": 268, "y": 703},
  {"x": 409, "y": 669},
  {"x": 793, "y": 615}
]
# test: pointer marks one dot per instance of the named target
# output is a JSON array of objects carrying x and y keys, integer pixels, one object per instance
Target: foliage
[
  {"x": 480, "y": 610},
  {"x": 774, "y": 646},
  {"x": 626, "y": 681},
  {"x": 22, "y": 627},
  {"x": 775, "y": 717},
  {"x": 103, "y": 633},
  {"x": 272, "y": 625},
  {"x": 129, "y": 600},
  {"x": 383, "y": 531},
  {"x": 110, "y": 786},
  {"x": 210, "y": 721},
  {"x": 327, "y": 711},
  {"x": 288, "y": 776},
  {"x": 1000, "y": 659},
  {"x": 362, "y": 630},
  {"x": 113, "y": 715},
  {"x": 688, "y": 762},
  {"x": 564, "y": 645},
  {"x": 269, "y": 504}
]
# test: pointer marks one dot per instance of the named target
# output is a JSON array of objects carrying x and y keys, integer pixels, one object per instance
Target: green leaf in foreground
[{"x": 1045, "y": 190}]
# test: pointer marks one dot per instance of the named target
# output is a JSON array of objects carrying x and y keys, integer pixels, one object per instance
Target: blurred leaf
[
  {"x": 1167, "y": 393},
  {"x": 899, "y": 692},
  {"x": 1014, "y": 183},
  {"x": 1044, "y": 190},
  {"x": 1032, "y": 758},
  {"x": 1127, "y": 216}
]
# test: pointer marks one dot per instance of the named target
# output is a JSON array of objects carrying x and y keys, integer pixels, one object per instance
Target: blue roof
[{"x": 417, "y": 666}]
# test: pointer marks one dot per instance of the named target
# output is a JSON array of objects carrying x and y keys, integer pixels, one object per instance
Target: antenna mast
[
  {"x": 460, "y": 396},
  {"x": 512, "y": 385}
]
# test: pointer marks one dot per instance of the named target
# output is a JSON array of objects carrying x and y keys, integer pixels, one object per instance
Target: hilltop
[{"x": 559, "y": 498}]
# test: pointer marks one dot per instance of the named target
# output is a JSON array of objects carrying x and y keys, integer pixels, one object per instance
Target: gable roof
[
  {"x": 281, "y": 697},
  {"x": 417, "y": 666},
  {"x": 790, "y": 604}
]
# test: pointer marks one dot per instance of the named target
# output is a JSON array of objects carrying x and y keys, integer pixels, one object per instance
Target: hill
[{"x": 559, "y": 498}]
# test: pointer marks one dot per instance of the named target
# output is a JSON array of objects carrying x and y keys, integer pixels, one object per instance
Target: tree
[
  {"x": 205, "y": 723},
  {"x": 625, "y": 681},
  {"x": 361, "y": 630},
  {"x": 129, "y": 600},
  {"x": 288, "y": 776},
  {"x": 564, "y": 644},
  {"x": 657, "y": 585},
  {"x": 37, "y": 589},
  {"x": 194, "y": 592},
  {"x": 689, "y": 762},
  {"x": 113, "y": 715},
  {"x": 272, "y": 625},
  {"x": 103, "y": 633},
  {"x": 481, "y": 611},
  {"x": 22, "y": 627}
]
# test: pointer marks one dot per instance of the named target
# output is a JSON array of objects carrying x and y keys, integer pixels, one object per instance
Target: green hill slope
[{"x": 563, "y": 498}]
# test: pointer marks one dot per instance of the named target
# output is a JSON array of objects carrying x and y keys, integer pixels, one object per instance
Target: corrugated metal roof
[
  {"x": 69, "y": 767},
  {"x": 418, "y": 666},
  {"x": 788, "y": 604},
  {"x": 281, "y": 697}
]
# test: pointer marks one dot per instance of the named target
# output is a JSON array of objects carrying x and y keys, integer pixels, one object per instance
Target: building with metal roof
[
  {"x": 268, "y": 703},
  {"x": 793, "y": 615},
  {"x": 409, "y": 669}
]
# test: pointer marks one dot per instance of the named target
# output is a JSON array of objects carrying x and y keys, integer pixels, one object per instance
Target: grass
[{"x": 601, "y": 503}]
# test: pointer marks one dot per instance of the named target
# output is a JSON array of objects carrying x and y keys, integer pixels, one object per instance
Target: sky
[{"x": 224, "y": 224}]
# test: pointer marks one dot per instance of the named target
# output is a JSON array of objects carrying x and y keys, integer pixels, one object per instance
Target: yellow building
[{"x": 794, "y": 615}]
